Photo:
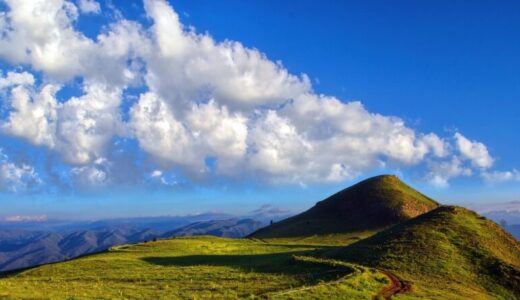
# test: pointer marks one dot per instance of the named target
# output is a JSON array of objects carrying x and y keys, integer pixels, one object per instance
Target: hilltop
[
  {"x": 370, "y": 205},
  {"x": 450, "y": 252}
]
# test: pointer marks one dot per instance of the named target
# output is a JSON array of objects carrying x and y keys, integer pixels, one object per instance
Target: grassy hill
[
  {"x": 197, "y": 267},
  {"x": 364, "y": 208},
  {"x": 448, "y": 253}
]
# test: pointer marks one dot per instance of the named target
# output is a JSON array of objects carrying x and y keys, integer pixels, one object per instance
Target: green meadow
[{"x": 199, "y": 268}]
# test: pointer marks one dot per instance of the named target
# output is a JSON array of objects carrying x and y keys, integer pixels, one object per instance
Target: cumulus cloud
[
  {"x": 33, "y": 114},
  {"x": 16, "y": 177},
  {"x": 15, "y": 78},
  {"x": 79, "y": 128},
  {"x": 41, "y": 34},
  {"x": 89, "y": 6},
  {"x": 92, "y": 175},
  {"x": 187, "y": 66},
  {"x": 474, "y": 151},
  {"x": 441, "y": 172},
  {"x": 162, "y": 135},
  {"x": 203, "y": 101}
]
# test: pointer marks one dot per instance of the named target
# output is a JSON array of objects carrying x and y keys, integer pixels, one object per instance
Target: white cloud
[
  {"x": 93, "y": 175},
  {"x": 441, "y": 172},
  {"x": 89, "y": 6},
  {"x": 204, "y": 99},
  {"x": 79, "y": 128},
  {"x": 277, "y": 148},
  {"x": 497, "y": 207},
  {"x": 159, "y": 176},
  {"x": 17, "y": 177},
  {"x": 15, "y": 78},
  {"x": 437, "y": 145},
  {"x": 162, "y": 135},
  {"x": 220, "y": 133},
  {"x": 40, "y": 33},
  {"x": 156, "y": 173},
  {"x": 501, "y": 176},
  {"x": 187, "y": 66},
  {"x": 476, "y": 152},
  {"x": 17, "y": 218},
  {"x": 33, "y": 115},
  {"x": 85, "y": 125}
]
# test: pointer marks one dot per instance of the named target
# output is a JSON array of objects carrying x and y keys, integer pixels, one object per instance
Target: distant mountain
[
  {"x": 509, "y": 220},
  {"x": 160, "y": 223},
  {"x": 21, "y": 248},
  {"x": 510, "y": 217},
  {"x": 449, "y": 248},
  {"x": 24, "y": 248},
  {"x": 514, "y": 230},
  {"x": 233, "y": 228},
  {"x": 372, "y": 204},
  {"x": 33, "y": 249}
]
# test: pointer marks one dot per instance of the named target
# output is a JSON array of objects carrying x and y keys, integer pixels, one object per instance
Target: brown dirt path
[{"x": 396, "y": 286}]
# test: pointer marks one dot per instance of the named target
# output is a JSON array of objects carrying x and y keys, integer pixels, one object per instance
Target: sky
[{"x": 130, "y": 108}]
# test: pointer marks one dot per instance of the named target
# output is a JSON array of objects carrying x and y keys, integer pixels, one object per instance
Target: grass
[
  {"x": 198, "y": 268},
  {"x": 369, "y": 206},
  {"x": 448, "y": 253}
]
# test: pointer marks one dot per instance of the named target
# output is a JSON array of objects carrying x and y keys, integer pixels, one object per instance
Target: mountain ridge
[
  {"x": 448, "y": 244},
  {"x": 370, "y": 205}
]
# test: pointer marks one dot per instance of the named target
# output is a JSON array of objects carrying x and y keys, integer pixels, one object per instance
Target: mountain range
[{"x": 21, "y": 248}]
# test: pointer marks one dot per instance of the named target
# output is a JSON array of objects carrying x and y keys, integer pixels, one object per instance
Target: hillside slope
[
  {"x": 197, "y": 268},
  {"x": 370, "y": 205},
  {"x": 450, "y": 252}
]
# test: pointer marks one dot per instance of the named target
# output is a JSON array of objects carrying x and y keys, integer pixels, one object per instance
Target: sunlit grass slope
[
  {"x": 194, "y": 268},
  {"x": 367, "y": 207},
  {"x": 448, "y": 253}
]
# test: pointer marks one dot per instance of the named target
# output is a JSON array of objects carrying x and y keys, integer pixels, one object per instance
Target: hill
[
  {"x": 450, "y": 252},
  {"x": 197, "y": 267},
  {"x": 368, "y": 206},
  {"x": 232, "y": 228}
]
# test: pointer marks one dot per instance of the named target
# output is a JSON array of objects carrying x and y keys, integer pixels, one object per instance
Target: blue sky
[{"x": 115, "y": 109}]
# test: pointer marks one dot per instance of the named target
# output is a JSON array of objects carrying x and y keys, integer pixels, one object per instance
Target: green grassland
[
  {"x": 448, "y": 253},
  {"x": 199, "y": 268}
]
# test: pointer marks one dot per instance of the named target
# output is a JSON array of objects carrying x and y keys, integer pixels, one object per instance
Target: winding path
[{"x": 396, "y": 286}]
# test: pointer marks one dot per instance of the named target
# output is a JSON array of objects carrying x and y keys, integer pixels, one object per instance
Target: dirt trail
[{"x": 396, "y": 286}]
